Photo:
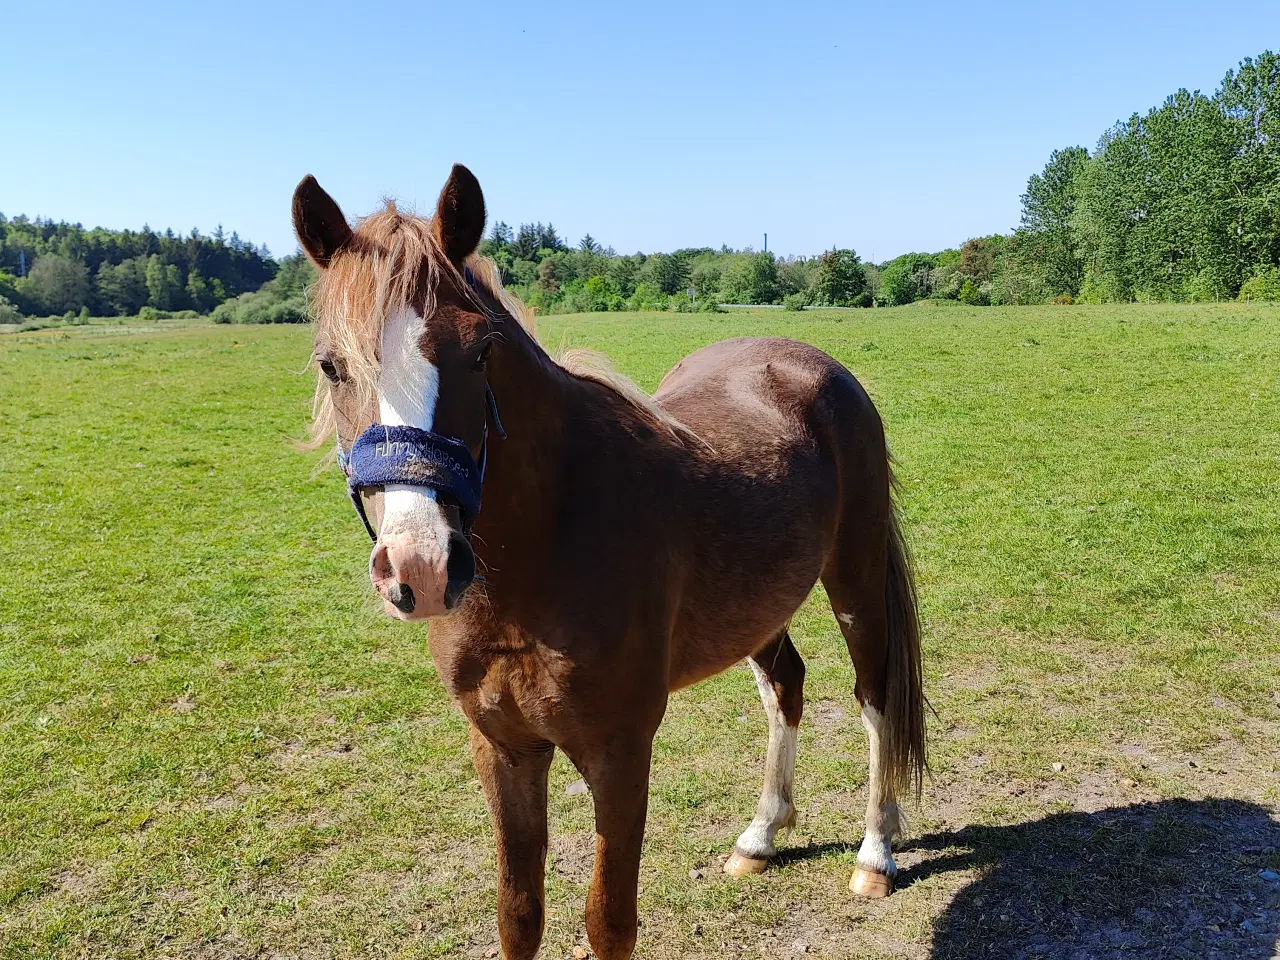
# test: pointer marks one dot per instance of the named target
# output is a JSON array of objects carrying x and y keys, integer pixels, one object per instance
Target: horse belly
[
  {"x": 764, "y": 508},
  {"x": 752, "y": 572}
]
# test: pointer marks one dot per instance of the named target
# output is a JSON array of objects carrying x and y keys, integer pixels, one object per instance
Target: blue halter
[{"x": 398, "y": 454}]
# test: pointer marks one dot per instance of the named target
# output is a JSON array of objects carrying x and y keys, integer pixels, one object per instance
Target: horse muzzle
[
  {"x": 420, "y": 578},
  {"x": 422, "y": 562}
]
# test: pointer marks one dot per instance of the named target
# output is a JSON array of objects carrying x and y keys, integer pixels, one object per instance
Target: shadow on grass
[
  {"x": 1177, "y": 878},
  {"x": 815, "y": 851}
]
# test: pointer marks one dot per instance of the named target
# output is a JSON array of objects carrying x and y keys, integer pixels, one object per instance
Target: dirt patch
[
  {"x": 80, "y": 882},
  {"x": 828, "y": 717},
  {"x": 295, "y": 752},
  {"x": 572, "y": 856},
  {"x": 975, "y": 678},
  {"x": 184, "y": 704},
  {"x": 1086, "y": 792},
  {"x": 803, "y": 931}
]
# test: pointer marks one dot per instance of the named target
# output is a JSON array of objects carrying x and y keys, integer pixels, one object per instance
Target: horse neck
[{"x": 532, "y": 395}]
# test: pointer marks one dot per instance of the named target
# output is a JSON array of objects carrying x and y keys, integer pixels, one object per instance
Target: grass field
[{"x": 212, "y": 743}]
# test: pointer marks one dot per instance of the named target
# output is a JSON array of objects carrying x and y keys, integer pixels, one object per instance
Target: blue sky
[{"x": 888, "y": 128}]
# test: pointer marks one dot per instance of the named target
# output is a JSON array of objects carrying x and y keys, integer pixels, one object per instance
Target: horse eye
[
  {"x": 484, "y": 356},
  {"x": 329, "y": 369}
]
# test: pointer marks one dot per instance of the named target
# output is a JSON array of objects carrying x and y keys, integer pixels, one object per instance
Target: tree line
[
  {"x": 49, "y": 268},
  {"x": 554, "y": 277},
  {"x": 1179, "y": 204}
]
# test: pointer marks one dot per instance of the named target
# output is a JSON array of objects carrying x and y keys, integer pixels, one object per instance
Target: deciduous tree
[
  {"x": 1048, "y": 212},
  {"x": 58, "y": 284},
  {"x": 840, "y": 281}
]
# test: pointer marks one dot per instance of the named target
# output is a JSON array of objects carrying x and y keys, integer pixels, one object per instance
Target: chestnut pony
[{"x": 627, "y": 546}]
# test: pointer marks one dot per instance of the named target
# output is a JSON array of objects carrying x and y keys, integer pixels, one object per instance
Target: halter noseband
[{"x": 404, "y": 455}]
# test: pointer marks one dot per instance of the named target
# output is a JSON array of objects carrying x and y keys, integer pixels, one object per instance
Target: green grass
[{"x": 213, "y": 744}]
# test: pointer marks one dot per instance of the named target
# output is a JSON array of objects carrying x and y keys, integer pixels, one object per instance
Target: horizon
[{"x": 685, "y": 130}]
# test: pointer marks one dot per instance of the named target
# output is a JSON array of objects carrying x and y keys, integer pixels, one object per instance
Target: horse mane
[{"x": 391, "y": 256}]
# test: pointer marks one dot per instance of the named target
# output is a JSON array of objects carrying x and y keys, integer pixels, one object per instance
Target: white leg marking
[
  {"x": 408, "y": 387},
  {"x": 876, "y": 852},
  {"x": 845, "y": 618},
  {"x": 775, "y": 810}
]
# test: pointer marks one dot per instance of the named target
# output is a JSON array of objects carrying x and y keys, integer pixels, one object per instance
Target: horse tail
[{"x": 904, "y": 736}]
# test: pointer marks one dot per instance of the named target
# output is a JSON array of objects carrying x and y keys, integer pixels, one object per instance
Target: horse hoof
[
  {"x": 870, "y": 883},
  {"x": 740, "y": 865}
]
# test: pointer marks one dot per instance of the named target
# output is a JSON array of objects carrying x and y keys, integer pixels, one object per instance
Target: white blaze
[
  {"x": 409, "y": 384},
  {"x": 408, "y": 387}
]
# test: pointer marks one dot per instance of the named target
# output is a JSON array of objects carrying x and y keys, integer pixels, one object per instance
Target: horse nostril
[
  {"x": 380, "y": 563},
  {"x": 400, "y": 595}
]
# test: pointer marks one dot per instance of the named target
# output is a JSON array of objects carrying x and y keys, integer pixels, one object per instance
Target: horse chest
[{"x": 508, "y": 695}]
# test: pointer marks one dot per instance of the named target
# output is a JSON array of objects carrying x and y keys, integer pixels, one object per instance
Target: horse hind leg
[
  {"x": 875, "y": 872},
  {"x": 779, "y": 674},
  {"x": 875, "y": 607}
]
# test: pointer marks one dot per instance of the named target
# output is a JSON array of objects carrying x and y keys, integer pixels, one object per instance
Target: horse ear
[
  {"x": 459, "y": 219},
  {"x": 317, "y": 220}
]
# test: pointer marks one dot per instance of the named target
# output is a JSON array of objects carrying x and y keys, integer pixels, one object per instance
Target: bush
[
  {"x": 38, "y": 323},
  {"x": 594, "y": 295},
  {"x": 1063, "y": 300},
  {"x": 750, "y": 278},
  {"x": 680, "y": 302},
  {"x": 225, "y": 312},
  {"x": 602, "y": 294},
  {"x": 264, "y": 306},
  {"x": 795, "y": 301},
  {"x": 1104, "y": 286},
  {"x": 1016, "y": 287},
  {"x": 971, "y": 293},
  {"x": 1263, "y": 285},
  {"x": 945, "y": 283},
  {"x": 905, "y": 279},
  {"x": 540, "y": 299},
  {"x": 647, "y": 297},
  {"x": 9, "y": 314},
  {"x": 705, "y": 278},
  {"x": 149, "y": 314}
]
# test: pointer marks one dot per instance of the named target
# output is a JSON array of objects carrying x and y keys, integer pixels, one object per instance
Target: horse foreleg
[
  {"x": 515, "y": 787},
  {"x": 619, "y": 781},
  {"x": 779, "y": 674}
]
